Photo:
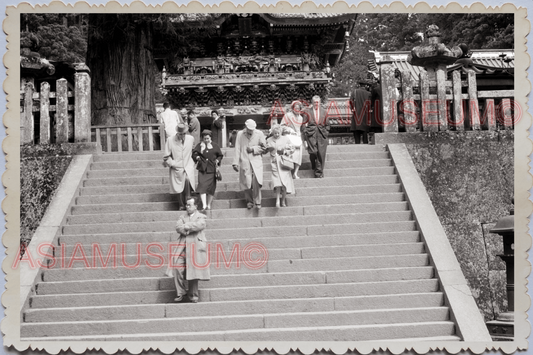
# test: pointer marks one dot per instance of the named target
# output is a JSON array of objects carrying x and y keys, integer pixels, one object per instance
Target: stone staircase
[{"x": 345, "y": 260}]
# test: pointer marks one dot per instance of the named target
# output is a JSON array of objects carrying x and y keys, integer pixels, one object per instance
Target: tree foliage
[
  {"x": 122, "y": 62},
  {"x": 58, "y": 37}
]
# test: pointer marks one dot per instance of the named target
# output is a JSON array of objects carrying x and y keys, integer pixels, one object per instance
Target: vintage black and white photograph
[{"x": 268, "y": 176}]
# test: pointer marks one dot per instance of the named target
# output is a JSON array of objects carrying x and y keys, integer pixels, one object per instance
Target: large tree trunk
[{"x": 122, "y": 69}]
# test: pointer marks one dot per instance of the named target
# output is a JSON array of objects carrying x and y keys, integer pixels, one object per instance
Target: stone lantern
[
  {"x": 503, "y": 327},
  {"x": 434, "y": 56},
  {"x": 434, "y": 53}
]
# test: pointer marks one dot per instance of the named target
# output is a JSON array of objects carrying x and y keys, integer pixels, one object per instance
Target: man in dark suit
[
  {"x": 361, "y": 106},
  {"x": 316, "y": 133}
]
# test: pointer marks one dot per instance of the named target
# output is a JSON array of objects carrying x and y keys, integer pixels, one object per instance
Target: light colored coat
[
  {"x": 197, "y": 255},
  {"x": 295, "y": 121},
  {"x": 249, "y": 162},
  {"x": 281, "y": 177},
  {"x": 170, "y": 119},
  {"x": 178, "y": 157}
]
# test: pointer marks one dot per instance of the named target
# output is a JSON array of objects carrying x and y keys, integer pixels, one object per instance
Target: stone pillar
[
  {"x": 408, "y": 102},
  {"x": 61, "y": 111},
  {"x": 430, "y": 118},
  {"x": 82, "y": 104},
  {"x": 474, "y": 121},
  {"x": 440, "y": 72},
  {"x": 458, "y": 113},
  {"x": 44, "y": 124},
  {"x": 389, "y": 97},
  {"x": 26, "y": 119},
  {"x": 224, "y": 132}
]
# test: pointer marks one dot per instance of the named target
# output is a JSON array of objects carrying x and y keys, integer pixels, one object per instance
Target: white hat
[{"x": 250, "y": 124}]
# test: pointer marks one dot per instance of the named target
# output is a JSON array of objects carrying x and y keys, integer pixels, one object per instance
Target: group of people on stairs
[{"x": 284, "y": 145}]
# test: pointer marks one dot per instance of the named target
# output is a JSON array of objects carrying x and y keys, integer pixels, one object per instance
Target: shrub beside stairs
[{"x": 346, "y": 260}]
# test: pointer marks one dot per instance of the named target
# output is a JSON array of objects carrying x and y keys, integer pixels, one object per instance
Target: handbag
[
  {"x": 218, "y": 175},
  {"x": 201, "y": 164},
  {"x": 286, "y": 163},
  {"x": 295, "y": 140}
]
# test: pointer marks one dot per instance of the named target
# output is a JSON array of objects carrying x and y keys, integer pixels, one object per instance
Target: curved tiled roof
[
  {"x": 306, "y": 15},
  {"x": 307, "y": 19},
  {"x": 486, "y": 60}
]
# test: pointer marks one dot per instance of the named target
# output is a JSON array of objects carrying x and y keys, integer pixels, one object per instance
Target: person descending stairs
[{"x": 344, "y": 261}]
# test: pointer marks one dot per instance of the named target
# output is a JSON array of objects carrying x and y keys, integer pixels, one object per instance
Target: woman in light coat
[
  {"x": 294, "y": 120},
  {"x": 280, "y": 147}
]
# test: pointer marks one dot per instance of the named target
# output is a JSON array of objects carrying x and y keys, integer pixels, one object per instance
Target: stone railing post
[
  {"x": 458, "y": 112},
  {"x": 389, "y": 97},
  {"x": 82, "y": 104},
  {"x": 61, "y": 111},
  {"x": 474, "y": 121},
  {"x": 44, "y": 124},
  {"x": 26, "y": 119}
]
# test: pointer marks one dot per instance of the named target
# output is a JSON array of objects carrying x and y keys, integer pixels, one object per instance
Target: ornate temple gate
[{"x": 257, "y": 65}]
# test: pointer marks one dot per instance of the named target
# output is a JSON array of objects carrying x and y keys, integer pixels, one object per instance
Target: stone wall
[{"x": 469, "y": 177}]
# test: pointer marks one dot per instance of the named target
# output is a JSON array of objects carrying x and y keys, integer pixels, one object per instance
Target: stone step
[
  {"x": 216, "y": 235},
  {"x": 79, "y": 271},
  {"x": 228, "y": 220},
  {"x": 233, "y": 176},
  {"x": 267, "y": 192},
  {"x": 153, "y": 252},
  {"x": 228, "y": 281},
  {"x": 227, "y": 185},
  {"x": 228, "y": 153},
  {"x": 228, "y": 322},
  {"x": 293, "y": 201},
  {"x": 267, "y": 203},
  {"x": 349, "y": 158},
  {"x": 377, "y": 222},
  {"x": 172, "y": 207},
  {"x": 297, "y": 241},
  {"x": 140, "y": 184},
  {"x": 172, "y": 215},
  {"x": 174, "y": 310},
  {"x": 238, "y": 294},
  {"x": 356, "y": 197},
  {"x": 423, "y": 331}
]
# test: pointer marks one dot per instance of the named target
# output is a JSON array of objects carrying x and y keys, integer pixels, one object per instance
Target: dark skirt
[{"x": 207, "y": 184}]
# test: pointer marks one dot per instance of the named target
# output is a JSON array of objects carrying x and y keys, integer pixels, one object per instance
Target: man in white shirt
[{"x": 170, "y": 119}]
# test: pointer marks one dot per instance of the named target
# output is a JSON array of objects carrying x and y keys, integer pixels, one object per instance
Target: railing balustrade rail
[
  {"x": 129, "y": 138},
  {"x": 438, "y": 104},
  {"x": 59, "y": 116}
]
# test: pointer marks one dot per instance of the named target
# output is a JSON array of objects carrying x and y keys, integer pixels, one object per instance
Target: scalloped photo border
[{"x": 10, "y": 325}]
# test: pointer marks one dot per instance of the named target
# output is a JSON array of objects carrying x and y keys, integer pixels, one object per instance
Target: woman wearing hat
[
  {"x": 208, "y": 156},
  {"x": 280, "y": 147}
]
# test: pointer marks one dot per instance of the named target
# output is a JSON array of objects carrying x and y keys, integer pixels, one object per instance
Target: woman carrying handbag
[
  {"x": 293, "y": 119},
  {"x": 208, "y": 156},
  {"x": 281, "y": 150}
]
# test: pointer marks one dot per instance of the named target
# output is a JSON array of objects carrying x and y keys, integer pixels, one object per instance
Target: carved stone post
[
  {"x": 26, "y": 119},
  {"x": 44, "y": 124},
  {"x": 82, "y": 104},
  {"x": 389, "y": 97},
  {"x": 61, "y": 111}
]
